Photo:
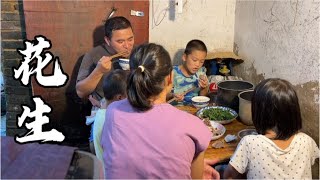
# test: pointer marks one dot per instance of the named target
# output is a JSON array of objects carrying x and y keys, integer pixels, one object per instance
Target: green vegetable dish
[{"x": 217, "y": 114}]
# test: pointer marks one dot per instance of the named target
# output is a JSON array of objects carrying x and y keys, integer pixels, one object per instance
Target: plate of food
[
  {"x": 219, "y": 114},
  {"x": 217, "y": 129}
]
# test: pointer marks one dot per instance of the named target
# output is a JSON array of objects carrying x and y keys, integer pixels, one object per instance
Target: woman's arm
[{"x": 197, "y": 166}]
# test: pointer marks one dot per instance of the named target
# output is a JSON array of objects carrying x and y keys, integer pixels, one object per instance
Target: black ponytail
[{"x": 149, "y": 65}]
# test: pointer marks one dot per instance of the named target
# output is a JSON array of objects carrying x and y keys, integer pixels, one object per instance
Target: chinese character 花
[{"x": 58, "y": 78}]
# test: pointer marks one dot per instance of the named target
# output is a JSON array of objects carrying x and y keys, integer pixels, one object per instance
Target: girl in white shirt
[{"x": 280, "y": 151}]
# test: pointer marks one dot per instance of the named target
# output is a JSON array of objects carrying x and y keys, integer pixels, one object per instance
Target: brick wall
[{"x": 12, "y": 35}]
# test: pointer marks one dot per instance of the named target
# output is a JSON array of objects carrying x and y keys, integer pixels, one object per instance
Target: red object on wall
[{"x": 75, "y": 27}]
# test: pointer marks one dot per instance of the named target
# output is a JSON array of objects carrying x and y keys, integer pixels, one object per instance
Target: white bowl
[
  {"x": 245, "y": 132},
  {"x": 124, "y": 63},
  {"x": 218, "y": 131},
  {"x": 200, "y": 101}
]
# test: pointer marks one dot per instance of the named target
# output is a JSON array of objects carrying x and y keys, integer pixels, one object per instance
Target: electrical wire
[{"x": 164, "y": 15}]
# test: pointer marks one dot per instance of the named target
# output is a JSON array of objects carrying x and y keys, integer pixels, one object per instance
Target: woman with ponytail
[{"x": 145, "y": 137}]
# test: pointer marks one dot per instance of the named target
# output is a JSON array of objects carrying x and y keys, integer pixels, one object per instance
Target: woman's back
[
  {"x": 263, "y": 159},
  {"x": 159, "y": 143}
]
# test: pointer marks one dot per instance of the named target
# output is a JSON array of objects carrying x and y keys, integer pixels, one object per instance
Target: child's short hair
[
  {"x": 115, "y": 83},
  {"x": 275, "y": 106},
  {"x": 195, "y": 44}
]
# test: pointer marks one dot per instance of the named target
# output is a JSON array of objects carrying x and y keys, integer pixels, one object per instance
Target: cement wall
[
  {"x": 281, "y": 39},
  {"x": 209, "y": 21}
]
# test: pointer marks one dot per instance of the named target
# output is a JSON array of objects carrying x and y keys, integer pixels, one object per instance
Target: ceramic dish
[
  {"x": 221, "y": 121},
  {"x": 245, "y": 132},
  {"x": 200, "y": 101},
  {"x": 218, "y": 130}
]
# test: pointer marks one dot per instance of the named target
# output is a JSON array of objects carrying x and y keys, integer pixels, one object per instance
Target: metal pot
[
  {"x": 228, "y": 92},
  {"x": 245, "y": 107}
]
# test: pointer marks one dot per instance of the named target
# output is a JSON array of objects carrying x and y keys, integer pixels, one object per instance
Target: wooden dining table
[{"x": 225, "y": 153}]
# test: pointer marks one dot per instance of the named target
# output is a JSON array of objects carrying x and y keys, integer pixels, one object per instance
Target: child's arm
[
  {"x": 231, "y": 173},
  {"x": 204, "y": 85}
]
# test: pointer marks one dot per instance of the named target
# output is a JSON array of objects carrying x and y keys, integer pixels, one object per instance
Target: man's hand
[
  {"x": 208, "y": 171},
  {"x": 104, "y": 64}
]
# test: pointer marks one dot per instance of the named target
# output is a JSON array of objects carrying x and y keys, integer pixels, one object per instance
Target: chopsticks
[
  {"x": 184, "y": 93},
  {"x": 171, "y": 100},
  {"x": 191, "y": 89},
  {"x": 118, "y": 54}
]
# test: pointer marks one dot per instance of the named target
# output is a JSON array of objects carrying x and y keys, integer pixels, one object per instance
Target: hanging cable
[{"x": 153, "y": 15}]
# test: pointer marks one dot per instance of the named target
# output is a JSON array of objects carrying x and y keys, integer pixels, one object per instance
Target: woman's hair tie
[{"x": 142, "y": 68}]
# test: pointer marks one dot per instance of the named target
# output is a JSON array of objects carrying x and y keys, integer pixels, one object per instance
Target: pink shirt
[{"x": 159, "y": 143}]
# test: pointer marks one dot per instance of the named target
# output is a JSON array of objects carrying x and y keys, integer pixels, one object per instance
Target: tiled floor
[{"x": 3, "y": 125}]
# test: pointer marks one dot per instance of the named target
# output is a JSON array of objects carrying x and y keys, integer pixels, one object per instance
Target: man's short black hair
[{"x": 116, "y": 23}]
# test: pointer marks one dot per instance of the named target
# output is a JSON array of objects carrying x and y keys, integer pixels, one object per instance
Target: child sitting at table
[
  {"x": 114, "y": 89},
  {"x": 191, "y": 74},
  {"x": 280, "y": 151}
]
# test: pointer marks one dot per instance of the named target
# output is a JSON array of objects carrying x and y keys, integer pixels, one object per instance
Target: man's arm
[{"x": 88, "y": 85}]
